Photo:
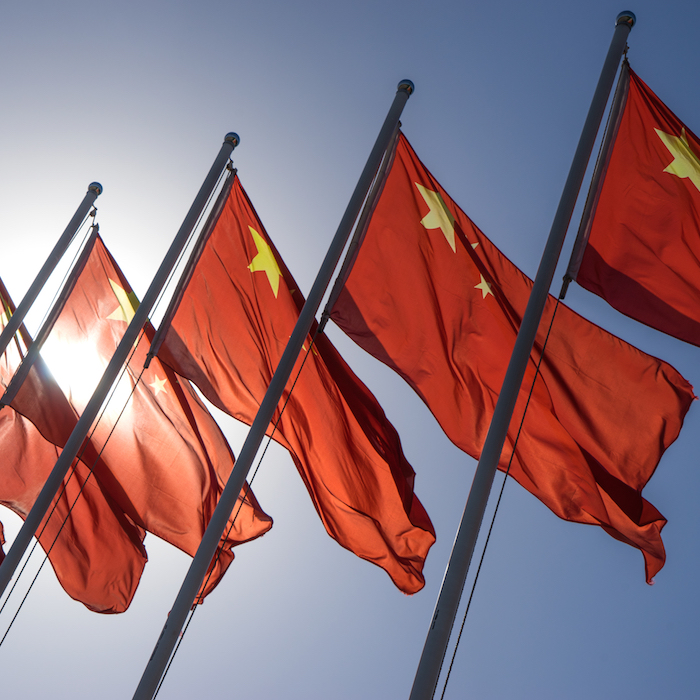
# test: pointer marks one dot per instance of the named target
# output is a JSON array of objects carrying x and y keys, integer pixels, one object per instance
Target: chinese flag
[
  {"x": 643, "y": 252},
  {"x": 228, "y": 334},
  {"x": 163, "y": 458},
  {"x": 435, "y": 300},
  {"x": 95, "y": 551}
]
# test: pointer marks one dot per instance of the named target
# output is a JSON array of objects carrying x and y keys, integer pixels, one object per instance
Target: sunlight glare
[{"x": 78, "y": 368}]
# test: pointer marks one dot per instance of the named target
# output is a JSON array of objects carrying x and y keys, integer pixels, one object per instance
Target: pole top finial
[
  {"x": 233, "y": 138},
  {"x": 407, "y": 86},
  {"x": 95, "y": 187},
  {"x": 626, "y": 17}
]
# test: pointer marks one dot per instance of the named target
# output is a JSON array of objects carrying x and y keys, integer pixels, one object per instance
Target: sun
[{"x": 77, "y": 368}]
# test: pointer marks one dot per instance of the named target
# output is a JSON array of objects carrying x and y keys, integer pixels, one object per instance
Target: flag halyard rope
[
  {"x": 498, "y": 503},
  {"x": 94, "y": 225},
  {"x": 248, "y": 487},
  {"x": 63, "y": 487},
  {"x": 91, "y": 214},
  {"x": 78, "y": 250},
  {"x": 228, "y": 168}
]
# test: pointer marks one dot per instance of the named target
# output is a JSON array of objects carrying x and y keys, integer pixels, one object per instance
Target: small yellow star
[
  {"x": 305, "y": 349},
  {"x": 265, "y": 262},
  {"x": 685, "y": 163},
  {"x": 128, "y": 303},
  {"x": 484, "y": 286},
  {"x": 158, "y": 385},
  {"x": 439, "y": 215}
]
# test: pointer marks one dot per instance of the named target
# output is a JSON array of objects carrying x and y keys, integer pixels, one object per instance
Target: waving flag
[
  {"x": 228, "y": 333},
  {"x": 94, "y": 549},
  {"x": 431, "y": 297},
  {"x": 163, "y": 458},
  {"x": 643, "y": 251}
]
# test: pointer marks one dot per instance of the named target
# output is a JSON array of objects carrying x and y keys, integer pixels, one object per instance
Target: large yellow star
[
  {"x": 265, "y": 261},
  {"x": 685, "y": 162},
  {"x": 439, "y": 215},
  {"x": 128, "y": 303},
  {"x": 158, "y": 385},
  {"x": 485, "y": 287}
]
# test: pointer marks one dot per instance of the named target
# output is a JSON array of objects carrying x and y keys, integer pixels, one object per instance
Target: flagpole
[
  {"x": 15, "y": 321},
  {"x": 437, "y": 639},
  {"x": 584, "y": 230},
  {"x": 72, "y": 446},
  {"x": 360, "y": 229},
  {"x": 34, "y": 349},
  {"x": 207, "y": 548}
]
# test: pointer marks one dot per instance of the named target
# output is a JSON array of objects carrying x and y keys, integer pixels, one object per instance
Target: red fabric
[
  {"x": 98, "y": 556},
  {"x": 347, "y": 452},
  {"x": 602, "y": 412},
  {"x": 166, "y": 462},
  {"x": 643, "y": 251}
]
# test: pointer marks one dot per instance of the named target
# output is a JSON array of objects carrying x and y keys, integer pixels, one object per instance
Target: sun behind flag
[
  {"x": 643, "y": 249},
  {"x": 163, "y": 457},
  {"x": 94, "y": 549},
  {"x": 227, "y": 336},
  {"x": 431, "y": 297}
]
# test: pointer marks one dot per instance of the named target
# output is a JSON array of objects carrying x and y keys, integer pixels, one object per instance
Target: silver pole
[
  {"x": 207, "y": 548},
  {"x": 584, "y": 230},
  {"x": 32, "y": 354},
  {"x": 15, "y": 321},
  {"x": 72, "y": 446},
  {"x": 438, "y": 636}
]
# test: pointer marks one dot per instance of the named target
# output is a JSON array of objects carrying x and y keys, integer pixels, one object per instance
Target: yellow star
[
  {"x": 128, "y": 303},
  {"x": 265, "y": 262},
  {"x": 439, "y": 215},
  {"x": 158, "y": 385},
  {"x": 484, "y": 286},
  {"x": 685, "y": 162}
]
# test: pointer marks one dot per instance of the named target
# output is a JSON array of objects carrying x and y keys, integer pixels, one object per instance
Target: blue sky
[{"x": 139, "y": 96}]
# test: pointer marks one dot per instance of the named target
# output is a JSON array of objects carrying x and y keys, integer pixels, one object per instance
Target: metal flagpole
[
  {"x": 34, "y": 349},
  {"x": 445, "y": 611},
  {"x": 584, "y": 229},
  {"x": 71, "y": 448},
  {"x": 360, "y": 229},
  {"x": 188, "y": 270},
  {"x": 207, "y": 548},
  {"x": 15, "y": 321}
]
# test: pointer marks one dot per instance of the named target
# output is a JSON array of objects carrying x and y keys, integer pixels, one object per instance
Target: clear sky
[{"x": 138, "y": 95}]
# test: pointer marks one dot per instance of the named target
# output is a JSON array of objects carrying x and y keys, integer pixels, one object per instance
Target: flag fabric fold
[
  {"x": 162, "y": 457},
  {"x": 95, "y": 550},
  {"x": 227, "y": 336},
  {"x": 643, "y": 248},
  {"x": 431, "y": 297}
]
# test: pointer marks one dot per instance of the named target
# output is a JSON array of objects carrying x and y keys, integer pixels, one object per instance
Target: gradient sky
[{"x": 138, "y": 95}]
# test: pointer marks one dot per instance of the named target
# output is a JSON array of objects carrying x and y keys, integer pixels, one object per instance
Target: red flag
[
  {"x": 435, "y": 300},
  {"x": 643, "y": 251},
  {"x": 96, "y": 552},
  {"x": 163, "y": 458},
  {"x": 347, "y": 452}
]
